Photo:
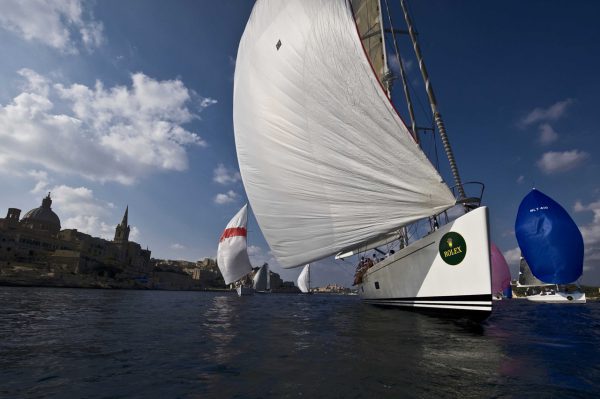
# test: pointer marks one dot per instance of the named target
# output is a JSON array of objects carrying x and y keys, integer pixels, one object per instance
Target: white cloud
[
  {"x": 78, "y": 201},
  {"x": 207, "y": 102},
  {"x": 254, "y": 250},
  {"x": 78, "y": 208},
  {"x": 226, "y": 198},
  {"x": 60, "y": 24},
  {"x": 223, "y": 175},
  {"x": 520, "y": 179},
  {"x": 552, "y": 113},
  {"x": 547, "y": 134},
  {"x": 579, "y": 207},
  {"x": 105, "y": 134},
  {"x": 513, "y": 258},
  {"x": 177, "y": 246},
  {"x": 42, "y": 180},
  {"x": 591, "y": 239},
  {"x": 91, "y": 225},
  {"x": 395, "y": 66},
  {"x": 553, "y": 162}
]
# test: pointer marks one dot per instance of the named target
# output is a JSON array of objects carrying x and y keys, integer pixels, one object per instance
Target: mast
[
  {"x": 433, "y": 102},
  {"x": 409, "y": 104}
]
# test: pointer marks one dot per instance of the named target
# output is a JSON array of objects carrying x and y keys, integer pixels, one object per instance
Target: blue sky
[{"x": 109, "y": 104}]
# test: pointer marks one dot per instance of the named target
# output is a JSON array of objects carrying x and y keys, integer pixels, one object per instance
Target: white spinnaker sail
[
  {"x": 304, "y": 279},
  {"x": 326, "y": 161},
  {"x": 232, "y": 254}
]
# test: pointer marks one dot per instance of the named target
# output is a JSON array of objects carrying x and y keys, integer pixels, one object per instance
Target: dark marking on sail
[{"x": 278, "y": 45}]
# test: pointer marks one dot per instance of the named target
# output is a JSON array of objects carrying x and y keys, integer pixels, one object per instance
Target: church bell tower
[{"x": 122, "y": 230}]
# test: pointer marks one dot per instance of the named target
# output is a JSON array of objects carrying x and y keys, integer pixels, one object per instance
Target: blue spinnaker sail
[{"x": 550, "y": 241}]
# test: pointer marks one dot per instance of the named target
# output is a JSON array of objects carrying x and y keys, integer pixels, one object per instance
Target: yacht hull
[
  {"x": 426, "y": 277},
  {"x": 559, "y": 297}
]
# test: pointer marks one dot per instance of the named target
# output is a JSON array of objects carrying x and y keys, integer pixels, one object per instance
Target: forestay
[
  {"x": 232, "y": 254},
  {"x": 326, "y": 161}
]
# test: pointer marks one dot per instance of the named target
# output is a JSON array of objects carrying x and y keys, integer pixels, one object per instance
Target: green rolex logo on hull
[{"x": 453, "y": 248}]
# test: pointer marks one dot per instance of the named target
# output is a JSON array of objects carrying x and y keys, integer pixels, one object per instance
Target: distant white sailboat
[
  {"x": 232, "y": 254},
  {"x": 330, "y": 167},
  {"x": 262, "y": 279},
  {"x": 304, "y": 280}
]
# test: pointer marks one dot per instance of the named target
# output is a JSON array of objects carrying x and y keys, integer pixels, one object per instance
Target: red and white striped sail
[
  {"x": 232, "y": 255},
  {"x": 326, "y": 161}
]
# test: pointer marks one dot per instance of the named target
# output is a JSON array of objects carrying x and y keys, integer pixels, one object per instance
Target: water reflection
[{"x": 220, "y": 327}]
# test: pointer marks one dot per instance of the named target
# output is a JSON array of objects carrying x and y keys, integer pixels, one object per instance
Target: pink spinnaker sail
[{"x": 500, "y": 272}]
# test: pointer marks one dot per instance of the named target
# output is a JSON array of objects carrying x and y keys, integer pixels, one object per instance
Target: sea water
[{"x": 79, "y": 343}]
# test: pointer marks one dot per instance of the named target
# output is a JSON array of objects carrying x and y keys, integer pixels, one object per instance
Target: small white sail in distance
[
  {"x": 304, "y": 279},
  {"x": 232, "y": 254},
  {"x": 326, "y": 161},
  {"x": 261, "y": 281}
]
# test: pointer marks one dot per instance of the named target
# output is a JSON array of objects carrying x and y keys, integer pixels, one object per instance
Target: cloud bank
[
  {"x": 119, "y": 134},
  {"x": 555, "y": 162},
  {"x": 60, "y": 24}
]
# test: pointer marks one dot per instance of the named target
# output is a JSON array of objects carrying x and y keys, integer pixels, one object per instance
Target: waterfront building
[{"x": 36, "y": 242}]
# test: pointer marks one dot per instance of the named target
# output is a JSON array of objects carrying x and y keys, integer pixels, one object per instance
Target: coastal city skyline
[{"x": 107, "y": 105}]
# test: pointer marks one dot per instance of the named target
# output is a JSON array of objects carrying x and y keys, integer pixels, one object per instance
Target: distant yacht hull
[
  {"x": 558, "y": 297},
  {"x": 244, "y": 291},
  {"x": 424, "y": 276}
]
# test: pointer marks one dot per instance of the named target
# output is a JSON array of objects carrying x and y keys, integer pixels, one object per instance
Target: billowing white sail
[
  {"x": 326, "y": 161},
  {"x": 304, "y": 279},
  {"x": 232, "y": 254},
  {"x": 260, "y": 282}
]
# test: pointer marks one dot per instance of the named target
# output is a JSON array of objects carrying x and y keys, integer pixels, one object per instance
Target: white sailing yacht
[
  {"x": 261, "y": 282},
  {"x": 304, "y": 280},
  {"x": 538, "y": 291},
  {"x": 232, "y": 253},
  {"x": 330, "y": 167}
]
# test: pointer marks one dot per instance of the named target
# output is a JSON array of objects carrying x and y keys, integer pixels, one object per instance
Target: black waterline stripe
[
  {"x": 392, "y": 302},
  {"x": 478, "y": 298}
]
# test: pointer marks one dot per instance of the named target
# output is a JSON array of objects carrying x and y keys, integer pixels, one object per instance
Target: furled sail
[
  {"x": 326, "y": 161},
  {"x": 304, "y": 279},
  {"x": 260, "y": 282},
  {"x": 232, "y": 254},
  {"x": 550, "y": 240}
]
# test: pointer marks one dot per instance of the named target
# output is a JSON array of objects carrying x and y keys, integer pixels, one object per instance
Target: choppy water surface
[{"x": 155, "y": 344}]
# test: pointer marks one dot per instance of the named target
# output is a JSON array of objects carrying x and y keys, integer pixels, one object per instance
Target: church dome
[{"x": 42, "y": 218}]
